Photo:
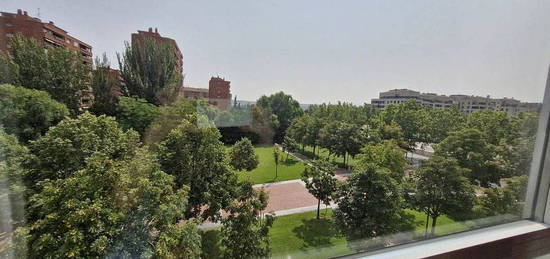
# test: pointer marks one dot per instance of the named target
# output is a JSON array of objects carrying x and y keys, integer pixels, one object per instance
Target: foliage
[
  {"x": 441, "y": 188},
  {"x": 242, "y": 156},
  {"x": 369, "y": 204},
  {"x": 150, "y": 71},
  {"x": 28, "y": 113},
  {"x": 470, "y": 149},
  {"x": 58, "y": 71},
  {"x": 342, "y": 138},
  {"x": 135, "y": 114},
  {"x": 507, "y": 199},
  {"x": 342, "y": 111},
  {"x": 196, "y": 158},
  {"x": 121, "y": 203},
  {"x": 284, "y": 107},
  {"x": 409, "y": 116},
  {"x": 495, "y": 126},
  {"x": 64, "y": 149},
  {"x": 244, "y": 233},
  {"x": 12, "y": 189},
  {"x": 384, "y": 155},
  {"x": 438, "y": 123},
  {"x": 320, "y": 182},
  {"x": 105, "y": 84},
  {"x": 169, "y": 117},
  {"x": 179, "y": 241}
]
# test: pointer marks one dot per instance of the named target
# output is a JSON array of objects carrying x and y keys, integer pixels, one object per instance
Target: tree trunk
[
  {"x": 314, "y": 150},
  {"x": 276, "y": 171},
  {"x": 433, "y": 225},
  {"x": 427, "y": 221},
  {"x": 318, "y": 207}
]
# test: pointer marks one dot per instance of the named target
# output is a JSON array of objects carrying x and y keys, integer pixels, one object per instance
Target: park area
[
  {"x": 303, "y": 236},
  {"x": 289, "y": 167}
]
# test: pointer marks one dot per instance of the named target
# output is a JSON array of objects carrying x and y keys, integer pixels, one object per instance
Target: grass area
[
  {"x": 303, "y": 236},
  {"x": 289, "y": 169},
  {"x": 323, "y": 153}
]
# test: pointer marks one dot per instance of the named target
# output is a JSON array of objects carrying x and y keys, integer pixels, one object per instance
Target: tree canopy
[{"x": 284, "y": 107}]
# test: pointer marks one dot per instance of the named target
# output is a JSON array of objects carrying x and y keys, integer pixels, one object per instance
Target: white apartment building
[{"x": 464, "y": 103}]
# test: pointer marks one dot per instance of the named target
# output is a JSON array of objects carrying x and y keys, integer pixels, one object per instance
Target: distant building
[
  {"x": 141, "y": 35},
  {"x": 217, "y": 94},
  {"x": 21, "y": 23},
  {"x": 464, "y": 103}
]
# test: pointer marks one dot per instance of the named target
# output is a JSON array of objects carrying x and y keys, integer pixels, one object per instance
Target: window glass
[{"x": 228, "y": 131}]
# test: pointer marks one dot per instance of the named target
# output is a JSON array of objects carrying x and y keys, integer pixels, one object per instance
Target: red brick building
[
  {"x": 218, "y": 93},
  {"x": 140, "y": 35},
  {"x": 21, "y": 23}
]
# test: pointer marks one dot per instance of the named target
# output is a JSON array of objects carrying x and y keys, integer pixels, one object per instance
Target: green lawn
[
  {"x": 323, "y": 153},
  {"x": 289, "y": 169},
  {"x": 303, "y": 236}
]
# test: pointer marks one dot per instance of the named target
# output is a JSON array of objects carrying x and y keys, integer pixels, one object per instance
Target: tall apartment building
[
  {"x": 218, "y": 93},
  {"x": 48, "y": 33},
  {"x": 141, "y": 35},
  {"x": 464, "y": 103}
]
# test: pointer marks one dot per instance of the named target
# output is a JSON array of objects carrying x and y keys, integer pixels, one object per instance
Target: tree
[
  {"x": 342, "y": 139},
  {"x": 320, "y": 182},
  {"x": 136, "y": 114},
  {"x": 150, "y": 71},
  {"x": 471, "y": 150},
  {"x": 170, "y": 117},
  {"x": 244, "y": 232},
  {"x": 12, "y": 189},
  {"x": 28, "y": 113},
  {"x": 284, "y": 107},
  {"x": 105, "y": 85},
  {"x": 409, "y": 116},
  {"x": 58, "y": 71},
  {"x": 196, "y": 158},
  {"x": 369, "y": 204},
  {"x": 289, "y": 145},
  {"x": 242, "y": 156},
  {"x": 441, "y": 188},
  {"x": 66, "y": 147},
  {"x": 507, "y": 199},
  {"x": 496, "y": 126},
  {"x": 276, "y": 155},
  {"x": 125, "y": 206},
  {"x": 89, "y": 172},
  {"x": 438, "y": 123},
  {"x": 384, "y": 155}
]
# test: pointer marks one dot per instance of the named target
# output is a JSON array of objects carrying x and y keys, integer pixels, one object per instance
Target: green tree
[
  {"x": 284, "y": 107},
  {"x": 244, "y": 232},
  {"x": 384, "y": 155},
  {"x": 440, "y": 187},
  {"x": 369, "y": 204},
  {"x": 242, "y": 156},
  {"x": 170, "y": 117},
  {"x": 196, "y": 158},
  {"x": 136, "y": 114},
  {"x": 276, "y": 156},
  {"x": 289, "y": 145},
  {"x": 410, "y": 118},
  {"x": 471, "y": 150},
  {"x": 105, "y": 85},
  {"x": 12, "y": 189},
  {"x": 496, "y": 126},
  {"x": 320, "y": 182},
  {"x": 150, "y": 71},
  {"x": 28, "y": 113},
  {"x": 438, "y": 123},
  {"x": 58, "y": 71},
  {"x": 121, "y": 203},
  {"x": 507, "y": 199},
  {"x": 342, "y": 139},
  {"x": 64, "y": 149}
]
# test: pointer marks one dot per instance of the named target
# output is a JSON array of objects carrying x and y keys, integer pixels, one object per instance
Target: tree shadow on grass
[
  {"x": 316, "y": 233},
  {"x": 289, "y": 162}
]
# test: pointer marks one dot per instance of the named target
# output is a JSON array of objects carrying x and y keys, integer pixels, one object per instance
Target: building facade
[
  {"x": 21, "y": 23},
  {"x": 464, "y": 103},
  {"x": 217, "y": 94}
]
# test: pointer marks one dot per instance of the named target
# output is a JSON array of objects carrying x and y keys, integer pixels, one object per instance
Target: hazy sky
[{"x": 329, "y": 50}]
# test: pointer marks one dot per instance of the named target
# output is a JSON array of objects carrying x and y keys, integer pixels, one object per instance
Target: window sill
[{"x": 464, "y": 240}]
